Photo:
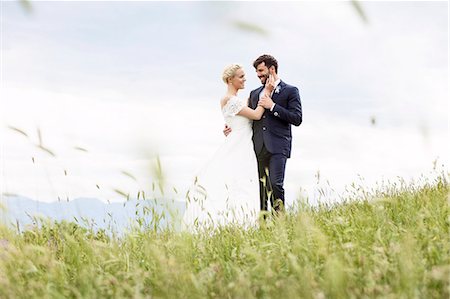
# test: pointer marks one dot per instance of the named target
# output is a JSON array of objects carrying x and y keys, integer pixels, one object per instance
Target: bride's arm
[{"x": 249, "y": 113}]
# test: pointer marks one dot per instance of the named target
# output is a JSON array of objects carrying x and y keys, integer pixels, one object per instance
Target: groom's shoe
[{"x": 278, "y": 207}]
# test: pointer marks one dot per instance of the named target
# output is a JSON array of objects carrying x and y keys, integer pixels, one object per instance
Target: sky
[{"x": 110, "y": 87}]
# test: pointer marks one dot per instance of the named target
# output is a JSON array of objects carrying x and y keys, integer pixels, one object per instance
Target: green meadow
[{"x": 389, "y": 243}]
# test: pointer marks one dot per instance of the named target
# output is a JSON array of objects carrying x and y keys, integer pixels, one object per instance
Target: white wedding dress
[{"x": 226, "y": 189}]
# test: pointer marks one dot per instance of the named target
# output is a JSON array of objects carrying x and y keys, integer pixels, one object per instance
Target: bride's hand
[{"x": 265, "y": 102}]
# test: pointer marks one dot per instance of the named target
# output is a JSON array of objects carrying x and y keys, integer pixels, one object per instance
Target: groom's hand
[
  {"x": 227, "y": 130},
  {"x": 270, "y": 84},
  {"x": 265, "y": 102}
]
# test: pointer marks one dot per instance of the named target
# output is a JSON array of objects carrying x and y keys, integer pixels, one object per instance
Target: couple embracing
[{"x": 251, "y": 163}]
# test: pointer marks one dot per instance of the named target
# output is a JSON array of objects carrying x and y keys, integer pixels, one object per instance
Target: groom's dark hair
[{"x": 268, "y": 60}]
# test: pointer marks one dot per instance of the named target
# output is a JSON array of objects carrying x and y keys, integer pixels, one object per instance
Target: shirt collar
[{"x": 277, "y": 82}]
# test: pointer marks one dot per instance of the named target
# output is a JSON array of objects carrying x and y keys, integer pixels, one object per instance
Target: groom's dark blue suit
[{"x": 272, "y": 139}]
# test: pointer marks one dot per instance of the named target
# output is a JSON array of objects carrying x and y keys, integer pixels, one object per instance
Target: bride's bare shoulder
[{"x": 224, "y": 100}]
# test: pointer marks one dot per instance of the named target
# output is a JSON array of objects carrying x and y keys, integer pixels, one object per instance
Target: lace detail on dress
[{"x": 233, "y": 106}]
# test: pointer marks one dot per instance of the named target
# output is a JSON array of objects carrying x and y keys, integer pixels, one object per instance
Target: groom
[{"x": 272, "y": 137}]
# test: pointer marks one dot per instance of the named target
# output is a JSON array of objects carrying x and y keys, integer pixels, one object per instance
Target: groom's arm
[
  {"x": 249, "y": 103},
  {"x": 293, "y": 112}
]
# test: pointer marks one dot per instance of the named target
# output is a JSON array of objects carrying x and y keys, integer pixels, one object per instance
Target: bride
[{"x": 226, "y": 189}]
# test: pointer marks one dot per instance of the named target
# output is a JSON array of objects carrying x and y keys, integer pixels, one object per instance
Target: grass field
[{"x": 390, "y": 243}]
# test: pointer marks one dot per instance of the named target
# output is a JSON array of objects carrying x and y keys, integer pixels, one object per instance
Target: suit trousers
[{"x": 271, "y": 169}]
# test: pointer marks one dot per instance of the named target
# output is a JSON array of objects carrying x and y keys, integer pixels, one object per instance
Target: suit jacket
[{"x": 274, "y": 128}]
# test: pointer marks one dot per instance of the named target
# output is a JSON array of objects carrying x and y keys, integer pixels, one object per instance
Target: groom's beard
[{"x": 265, "y": 80}]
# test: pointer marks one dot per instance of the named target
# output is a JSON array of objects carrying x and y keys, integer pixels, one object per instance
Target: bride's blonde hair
[{"x": 230, "y": 71}]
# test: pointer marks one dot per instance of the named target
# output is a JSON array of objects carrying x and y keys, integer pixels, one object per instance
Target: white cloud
[{"x": 126, "y": 92}]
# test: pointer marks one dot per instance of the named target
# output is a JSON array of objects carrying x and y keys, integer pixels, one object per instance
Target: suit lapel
[
  {"x": 256, "y": 97},
  {"x": 275, "y": 94}
]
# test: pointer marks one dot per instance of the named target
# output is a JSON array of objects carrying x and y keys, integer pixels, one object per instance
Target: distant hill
[{"x": 118, "y": 215}]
